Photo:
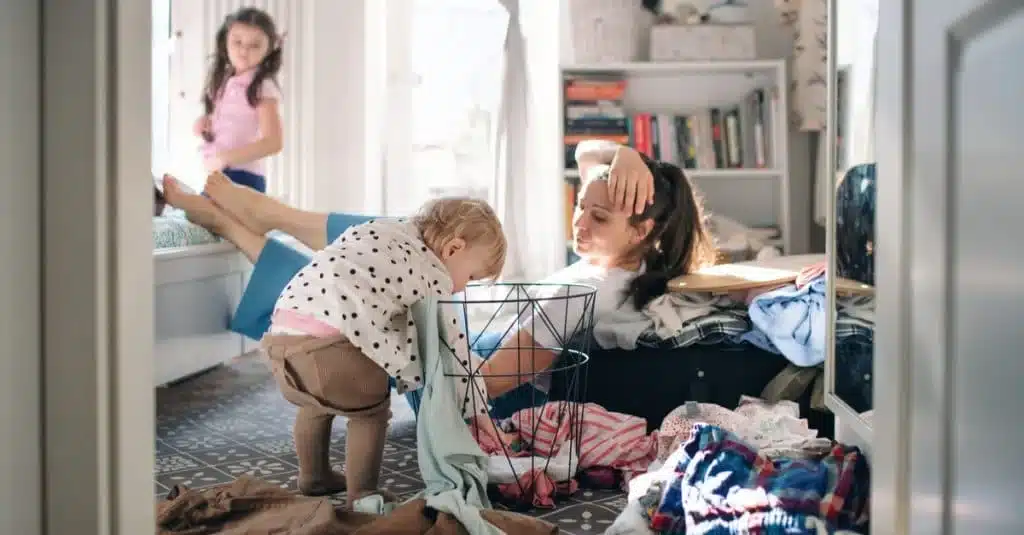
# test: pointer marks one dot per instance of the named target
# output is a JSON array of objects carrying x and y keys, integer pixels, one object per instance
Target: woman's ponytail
[{"x": 678, "y": 243}]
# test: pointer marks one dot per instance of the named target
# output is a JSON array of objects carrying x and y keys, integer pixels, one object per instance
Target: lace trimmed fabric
[{"x": 775, "y": 429}]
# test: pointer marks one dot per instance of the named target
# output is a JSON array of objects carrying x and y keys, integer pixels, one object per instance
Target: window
[
  {"x": 161, "y": 96},
  {"x": 451, "y": 76}
]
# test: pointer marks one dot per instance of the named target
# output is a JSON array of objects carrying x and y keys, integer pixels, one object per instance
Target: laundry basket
[{"x": 532, "y": 442}]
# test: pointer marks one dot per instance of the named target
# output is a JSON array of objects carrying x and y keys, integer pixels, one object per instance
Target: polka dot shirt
[{"x": 362, "y": 286}]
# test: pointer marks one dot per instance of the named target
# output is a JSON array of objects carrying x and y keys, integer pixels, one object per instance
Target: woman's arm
[
  {"x": 594, "y": 152},
  {"x": 631, "y": 182},
  {"x": 271, "y": 137}
]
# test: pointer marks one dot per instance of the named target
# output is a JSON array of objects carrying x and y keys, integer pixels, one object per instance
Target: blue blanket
[{"x": 791, "y": 321}]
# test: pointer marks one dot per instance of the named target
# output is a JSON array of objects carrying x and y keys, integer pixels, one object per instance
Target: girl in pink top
[{"x": 242, "y": 123}]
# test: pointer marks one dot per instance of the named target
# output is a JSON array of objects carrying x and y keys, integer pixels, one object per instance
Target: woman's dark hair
[
  {"x": 220, "y": 69},
  {"x": 679, "y": 241}
]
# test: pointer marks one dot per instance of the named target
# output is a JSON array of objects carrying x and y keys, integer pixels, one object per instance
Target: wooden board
[{"x": 725, "y": 278}]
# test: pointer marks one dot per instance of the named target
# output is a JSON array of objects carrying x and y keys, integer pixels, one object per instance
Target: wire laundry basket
[{"x": 534, "y": 439}]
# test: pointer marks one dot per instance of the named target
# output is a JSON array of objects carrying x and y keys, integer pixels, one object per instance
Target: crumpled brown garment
[{"x": 248, "y": 506}]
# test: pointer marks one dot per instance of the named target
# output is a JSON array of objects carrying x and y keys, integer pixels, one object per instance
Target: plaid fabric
[
  {"x": 725, "y": 325},
  {"x": 852, "y": 327},
  {"x": 722, "y": 486}
]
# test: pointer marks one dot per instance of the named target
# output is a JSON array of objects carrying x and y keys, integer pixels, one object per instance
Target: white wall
[{"x": 20, "y": 329}]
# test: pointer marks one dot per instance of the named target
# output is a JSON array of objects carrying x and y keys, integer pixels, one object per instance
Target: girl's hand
[
  {"x": 630, "y": 182},
  {"x": 202, "y": 127},
  {"x": 214, "y": 164}
]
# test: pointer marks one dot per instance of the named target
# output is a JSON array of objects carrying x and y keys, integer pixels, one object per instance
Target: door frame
[
  {"x": 98, "y": 396},
  {"x": 891, "y": 445}
]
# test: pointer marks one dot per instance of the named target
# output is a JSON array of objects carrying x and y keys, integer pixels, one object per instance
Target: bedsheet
[{"x": 173, "y": 230}]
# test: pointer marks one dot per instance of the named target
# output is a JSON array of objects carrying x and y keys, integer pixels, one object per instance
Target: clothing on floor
[
  {"x": 274, "y": 268},
  {"x": 361, "y": 286},
  {"x": 453, "y": 466},
  {"x": 793, "y": 321},
  {"x": 773, "y": 428},
  {"x": 242, "y": 177},
  {"x": 327, "y": 377},
  {"x": 248, "y": 506},
  {"x": 718, "y": 483},
  {"x": 607, "y": 439}
]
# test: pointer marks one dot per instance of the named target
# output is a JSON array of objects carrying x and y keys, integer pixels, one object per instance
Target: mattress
[
  {"x": 651, "y": 382},
  {"x": 172, "y": 230}
]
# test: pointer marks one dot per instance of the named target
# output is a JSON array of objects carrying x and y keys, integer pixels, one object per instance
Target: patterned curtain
[{"x": 808, "y": 20}]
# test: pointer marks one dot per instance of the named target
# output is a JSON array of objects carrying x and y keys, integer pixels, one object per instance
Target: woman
[{"x": 638, "y": 223}]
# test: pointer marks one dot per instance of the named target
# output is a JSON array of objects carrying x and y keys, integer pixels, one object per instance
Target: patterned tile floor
[{"x": 232, "y": 421}]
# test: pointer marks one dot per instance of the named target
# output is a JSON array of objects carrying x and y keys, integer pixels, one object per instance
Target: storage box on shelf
[
  {"x": 702, "y": 42},
  {"x": 606, "y": 30},
  {"x": 722, "y": 121}
]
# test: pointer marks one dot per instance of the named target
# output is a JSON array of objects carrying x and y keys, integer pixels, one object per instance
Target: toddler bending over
[{"x": 343, "y": 326}]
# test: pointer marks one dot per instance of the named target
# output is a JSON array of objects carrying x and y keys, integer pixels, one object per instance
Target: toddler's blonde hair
[{"x": 446, "y": 218}]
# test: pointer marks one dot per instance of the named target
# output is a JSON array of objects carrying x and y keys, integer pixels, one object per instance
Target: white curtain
[
  {"x": 502, "y": 91},
  {"x": 530, "y": 156},
  {"x": 511, "y": 144}
]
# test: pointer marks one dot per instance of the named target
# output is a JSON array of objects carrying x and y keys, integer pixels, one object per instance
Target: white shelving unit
[{"x": 754, "y": 196}]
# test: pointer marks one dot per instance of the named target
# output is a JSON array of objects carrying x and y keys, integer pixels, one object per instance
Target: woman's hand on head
[{"x": 630, "y": 182}]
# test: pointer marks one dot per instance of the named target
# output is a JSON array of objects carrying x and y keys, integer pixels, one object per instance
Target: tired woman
[{"x": 638, "y": 223}]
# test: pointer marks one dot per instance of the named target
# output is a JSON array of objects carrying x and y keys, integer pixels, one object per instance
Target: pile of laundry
[
  {"x": 718, "y": 483},
  {"x": 541, "y": 452}
]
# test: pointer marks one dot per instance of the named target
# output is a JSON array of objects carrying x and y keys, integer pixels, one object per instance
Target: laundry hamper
[{"x": 492, "y": 315}]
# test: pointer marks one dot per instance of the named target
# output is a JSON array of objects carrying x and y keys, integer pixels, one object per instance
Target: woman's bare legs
[
  {"x": 261, "y": 214},
  {"x": 205, "y": 213}
]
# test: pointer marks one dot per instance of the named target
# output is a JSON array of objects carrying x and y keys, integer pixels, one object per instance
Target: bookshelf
[{"x": 747, "y": 181}]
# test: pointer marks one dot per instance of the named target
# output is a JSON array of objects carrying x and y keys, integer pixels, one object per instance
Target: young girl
[
  {"x": 342, "y": 327},
  {"x": 241, "y": 125}
]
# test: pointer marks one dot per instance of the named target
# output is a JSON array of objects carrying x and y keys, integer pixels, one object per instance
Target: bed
[{"x": 198, "y": 280}]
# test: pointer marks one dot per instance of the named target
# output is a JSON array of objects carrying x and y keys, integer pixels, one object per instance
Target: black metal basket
[{"x": 534, "y": 441}]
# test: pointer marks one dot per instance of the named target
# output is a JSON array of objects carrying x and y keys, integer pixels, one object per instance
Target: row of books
[{"x": 722, "y": 137}]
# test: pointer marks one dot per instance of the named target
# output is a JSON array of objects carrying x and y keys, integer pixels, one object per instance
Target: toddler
[
  {"x": 241, "y": 124},
  {"x": 343, "y": 326}
]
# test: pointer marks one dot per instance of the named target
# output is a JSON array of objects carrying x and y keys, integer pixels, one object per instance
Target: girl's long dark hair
[
  {"x": 679, "y": 241},
  {"x": 220, "y": 69}
]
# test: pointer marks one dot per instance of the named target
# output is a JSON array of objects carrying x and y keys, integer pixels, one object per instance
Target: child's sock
[{"x": 312, "y": 445}]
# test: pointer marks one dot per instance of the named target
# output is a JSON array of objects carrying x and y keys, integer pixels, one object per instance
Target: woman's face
[{"x": 601, "y": 232}]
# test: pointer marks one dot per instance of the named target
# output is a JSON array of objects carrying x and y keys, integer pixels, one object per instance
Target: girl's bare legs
[
  {"x": 205, "y": 213},
  {"x": 261, "y": 214}
]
